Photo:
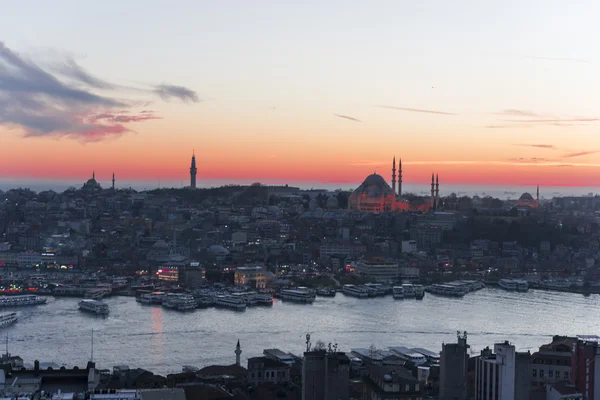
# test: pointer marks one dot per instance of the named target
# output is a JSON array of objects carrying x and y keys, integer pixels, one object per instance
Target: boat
[
  {"x": 519, "y": 285},
  {"x": 300, "y": 295},
  {"x": 180, "y": 302},
  {"x": 263, "y": 299},
  {"x": 409, "y": 290},
  {"x": 21, "y": 300},
  {"x": 94, "y": 306},
  {"x": 326, "y": 292},
  {"x": 205, "y": 301},
  {"x": 355, "y": 291},
  {"x": 398, "y": 292},
  {"x": 419, "y": 291},
  {"x": 449, "y": 290},
  {"x": 376, "y": 289},
  {"x": 7, "y": 319},
  {"x": 229, "y": 301}
]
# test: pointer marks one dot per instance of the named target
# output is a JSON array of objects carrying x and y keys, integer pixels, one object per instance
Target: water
[{"x": 163, "y": 340}]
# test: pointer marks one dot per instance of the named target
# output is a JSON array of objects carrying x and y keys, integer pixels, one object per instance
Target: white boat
[
  {"x": 409, "y": 290},
  {"x": 230, "y": 301},
  {"x": 300, "y": 295},
  {"x": 94, "y": 306},
  {"x": 21, "y": 300},
  {"x": 355, "y": 291},
  {"x": 375, "y": 289},
  {"x": 180, "y": 302},
  {"x": 522, "y": 285},
  {"x": 507, "y": 284},
  {"x": 326, "y": 292},
  {"x": 450, "y": 290},
  {"x": 398, "y": 292},
  {"x": 7, "y": 319}
]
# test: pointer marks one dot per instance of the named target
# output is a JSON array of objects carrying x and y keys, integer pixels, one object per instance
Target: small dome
[
  {"x": 332, "y": 202},
  {"x": 160, "y": 244},
  {"x": 374, "y": 186},
  {"x": 218, "y": 250}
]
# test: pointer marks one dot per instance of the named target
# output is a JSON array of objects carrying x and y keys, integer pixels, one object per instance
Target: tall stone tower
[
  {"x": 400, "y": 178},
  {"x": 193, "y": 171},
  {"x": 113, "y": 182},
  {"x": 394, "y": 175},
  {"x": 238, "y": 353}
]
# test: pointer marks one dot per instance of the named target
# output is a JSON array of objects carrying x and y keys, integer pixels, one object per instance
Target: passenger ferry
[
  {"x": 447, "y": 290},
  {"x": 94, "y": 306},
  {"x": 398, "y": 292},
  {"x": 409, "y": 290},
  {"x": 355, "y": 291},
  {"x": 7, "y": 319},
  {"x": 326, "y": 292},
  {"x": 376, "y": 289},
  {"x": 300, "y": 295},
  {"x": 21, "y": 300},
  {"x": 263, "y": 299},
  {"x": 229, "y": 301},
  {"x": 514, "y": 285},
  {"x": 419, "y": 291},
  {"x": 180, "y": 302}
]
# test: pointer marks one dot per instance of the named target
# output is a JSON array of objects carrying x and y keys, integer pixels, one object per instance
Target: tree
[
  {"x": 319, "y": 345},
  {"x": 372, "y": 351}
]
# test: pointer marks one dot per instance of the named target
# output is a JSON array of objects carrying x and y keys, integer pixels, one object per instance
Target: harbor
[{"x": 161, "y": 339}]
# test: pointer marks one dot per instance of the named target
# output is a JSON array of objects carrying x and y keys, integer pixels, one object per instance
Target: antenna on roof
[
  {"x": 92, "y": 357},
  {"x": 7, "y": 345}
]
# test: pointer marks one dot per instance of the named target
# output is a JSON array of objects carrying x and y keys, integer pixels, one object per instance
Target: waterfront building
[
  {"x": 409, "y": 246},
  {"x": 266, "y": 370},
  {"x": 378, "y": 269},
  {"x": 253, "y": 277},
  {"x": 503, "y": 374},
  {"x": 325, "y": 375},
  {"x": 585, "y": 366},
  {"x": 552, "y": 363},
  {"x": 390, "y": 383},
  {"x": 454, "y": 361},
  {"x": 527, "y": 201}
]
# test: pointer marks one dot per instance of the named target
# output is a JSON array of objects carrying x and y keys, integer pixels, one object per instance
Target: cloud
[
  {"x": 366, "y": 163},
  {"x": 418, "y": 110},
  {"x": 347, "y": 117},
  {"x": 166, "y": 92},
  {"x": 63, "y": 103},
  {"x": 554, "y": 121},
  {"x": 530, "y": 160},
  {"x": 580, "y": 153},
  {"x": 520, "y": 113},
  {"x": 539, "y": 146}
]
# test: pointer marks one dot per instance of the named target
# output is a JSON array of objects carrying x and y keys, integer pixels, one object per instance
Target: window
[
  {"x": 534, "y": 372},
  {"x": 566, "y": 375},
  {"x": 557, "y": 374},
  {"x": 541, "y": 373},
  {"x": 550, "y": 374}
]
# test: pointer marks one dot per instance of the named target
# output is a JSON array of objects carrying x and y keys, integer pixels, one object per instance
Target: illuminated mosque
[
  {"x": 376, "y": 195},
  {"x": 527, "y": 200}
]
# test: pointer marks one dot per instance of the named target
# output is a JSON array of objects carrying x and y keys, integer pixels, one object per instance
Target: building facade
[
  {"x": 503, "y": 374},
  {"x": 454, "y": 362},
  {"x": 266, "y": 370},
  {"x": 254, "y": 277},
  {"x": 585, "y": 366},
  {"x": 379, "y": 269},
  {"x": 325, "y": 375}
]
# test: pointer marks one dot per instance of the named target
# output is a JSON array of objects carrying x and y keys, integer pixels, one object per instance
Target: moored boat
[
  {"x": 21, "y": 300},
  {"x": 94, "y": 306},
  {"x": 8, "y": 319}
]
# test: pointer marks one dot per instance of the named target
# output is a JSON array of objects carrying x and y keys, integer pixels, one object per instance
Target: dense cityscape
[{"x": 238, "y": 247}]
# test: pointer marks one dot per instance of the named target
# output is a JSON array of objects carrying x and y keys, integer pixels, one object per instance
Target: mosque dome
[
  {"x": 92, "y": 184},
  {"x": 218, "y": 250},
  {"x": 374, "y": 186},
  {"x": 526, "y": 197},
  {"x": 332, "y": 202}
]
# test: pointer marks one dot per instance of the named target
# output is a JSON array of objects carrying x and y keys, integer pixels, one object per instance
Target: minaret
[
  {"x": 538, "y": 196},
  {"x": 432, "y": 191},
  {"x": 94, "y": 175},
  {"x": 394, "y": 175},
  {"x": 437, "y": 189},
  {"x": 238, "y": 353},
  {"x": 400, "y": 178},
  {"x": 113, "y": 186},
  {"x": 193, "y": 171}
]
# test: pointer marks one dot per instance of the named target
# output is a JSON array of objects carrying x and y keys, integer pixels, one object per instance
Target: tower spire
[
  {"x": 113, "y": 182},
  {"x": 193, "y": 171},
  {"x": 538, "y": 195},
  {"x": 432, "y": 191},
  {"x": 400, "y": 178},
  {"x": 238, "y": 353},
  {"x": 394, "y": 176},
  {"x": 94, "y": 175}
]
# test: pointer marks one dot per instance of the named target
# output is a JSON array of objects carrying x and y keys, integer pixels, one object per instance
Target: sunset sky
[{"x": 480, "y": 92}]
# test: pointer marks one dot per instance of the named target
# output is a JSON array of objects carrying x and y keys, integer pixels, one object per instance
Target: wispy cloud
[
  {"x": 347, "y": 117},
  {"x": 520, "y": 113},
  {"x": 554, "y": 121},
  {"x": 538, "y": 146},
  {"x": 417, "y": 110},
  {"x": 531, "y": 160},
  {"x": 366, "y": 163},
  {"x": 62, "y": 102},
  {"x": 167, "y": 92},
  {"x": 580, "y": 153}
]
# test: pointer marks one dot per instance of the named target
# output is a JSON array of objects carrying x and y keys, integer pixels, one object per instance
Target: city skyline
[{"x": 276, "y": 92}]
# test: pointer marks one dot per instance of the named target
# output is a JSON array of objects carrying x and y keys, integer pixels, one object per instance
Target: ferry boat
[
  {"x": 180, "y": 302},
  {"x": 229, "y": 301},
  {"x": 419, "y": 291},
  {"x": 300, "y": 295},
  {"x": 409, "y": 290},
  {"x": 447, "y": 290},
  {"x": 398, "y": 292},
  {"x": 205, "y": 301},
  {"x": 355, "y": 291},
  {"x": 94, "y": 306},
  {"x": 326, "y": 292},
  {"x": 375, "y": 289},
  {"x": 7, "y": 319},
  {"x": 21, "y": 300},
  {"x": 263, "y": 299},
  {"x": 514, "y": 284}
]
